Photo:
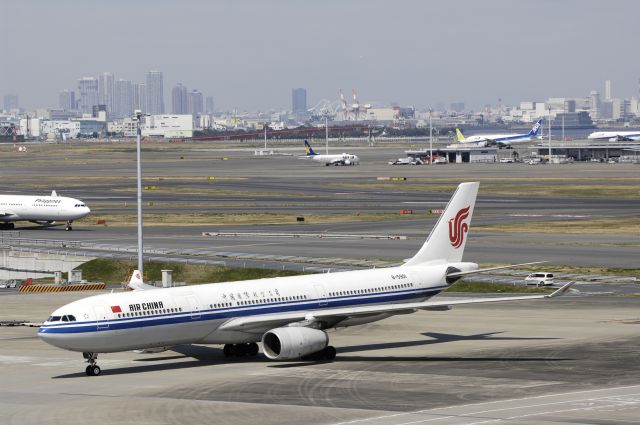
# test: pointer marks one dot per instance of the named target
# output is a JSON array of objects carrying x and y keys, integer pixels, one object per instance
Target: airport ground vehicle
[
  {"x": 539, "y": 279},
  {"x": 406, "y": 161}
]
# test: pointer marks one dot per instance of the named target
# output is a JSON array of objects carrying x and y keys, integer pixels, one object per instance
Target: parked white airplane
[
  {"x": 504, "y": 139},
  {"x": 45, "y": 210},
  {"x": 615, "y": 136},
  {"x": 335, "y": 159},
  {"x": 288, "y": 314}
]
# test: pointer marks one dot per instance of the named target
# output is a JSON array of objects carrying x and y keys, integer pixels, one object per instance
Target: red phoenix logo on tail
[{"x": 457, "y": 228}]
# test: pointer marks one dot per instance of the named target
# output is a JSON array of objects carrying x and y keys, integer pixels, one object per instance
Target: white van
[{"x": 539, "y": 279}]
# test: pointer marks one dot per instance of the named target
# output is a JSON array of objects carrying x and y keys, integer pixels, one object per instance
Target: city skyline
[{"x": 408, "y": 52}]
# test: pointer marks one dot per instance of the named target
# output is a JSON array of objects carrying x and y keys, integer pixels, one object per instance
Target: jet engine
[
  {"x": 347, "y": 162},
  {"x": 293, "y": 342}
]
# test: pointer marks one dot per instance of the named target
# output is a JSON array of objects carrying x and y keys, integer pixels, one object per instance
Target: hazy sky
[{"x": 249, "y": 54}]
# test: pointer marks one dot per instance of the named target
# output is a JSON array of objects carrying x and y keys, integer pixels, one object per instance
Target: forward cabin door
[{"x": 101, "y": 317}]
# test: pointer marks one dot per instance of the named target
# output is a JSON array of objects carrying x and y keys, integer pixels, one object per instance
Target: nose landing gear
[
  {"x": 93, "y": 369},
  {"x": 69, "y": 228}
]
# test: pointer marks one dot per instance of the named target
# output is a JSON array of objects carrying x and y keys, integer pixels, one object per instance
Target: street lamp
[
  {"x": 430, "y": 139},
  {"x": 549, "y": 118},
  {"x": 138, "y": 115}
]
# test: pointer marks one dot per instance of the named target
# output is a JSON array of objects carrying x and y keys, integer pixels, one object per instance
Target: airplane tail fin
[
  {"x": 447, "y": 239},
  {"x": 309, "y": 149},
  {"x": 460, "y": 136},
  {"x": 54, "y": 193},
  {"x": 136, "y": 282},
  {"x": 536, "y": 128}
]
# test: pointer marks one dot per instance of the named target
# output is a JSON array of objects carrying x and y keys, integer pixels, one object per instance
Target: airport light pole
[
  {"x": 430, "y": 139},
  {"x": 265, "y": 137},
  {"x": 326, "y": 134},
  {"x": 549, "y": 118},
  {"x": 138, "y": 117}
]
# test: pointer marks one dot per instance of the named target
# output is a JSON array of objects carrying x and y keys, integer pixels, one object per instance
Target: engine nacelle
[
  {"x": 347, "y": 162},
  {"x": 293, "y": 342},
  {"x": 42, "y": 222}
]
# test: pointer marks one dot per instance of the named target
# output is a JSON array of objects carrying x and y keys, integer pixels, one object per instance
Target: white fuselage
[
  {"x": 343, "y": 158},
  {"x": 499, "y": 138},
  {"x": 41, "y": 208},
  {"x": 192, "y": 314},
  {"x": 615, "y": 135}
]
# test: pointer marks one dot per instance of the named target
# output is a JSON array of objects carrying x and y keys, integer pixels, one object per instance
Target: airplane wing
[{"x": 262, "y": 323}]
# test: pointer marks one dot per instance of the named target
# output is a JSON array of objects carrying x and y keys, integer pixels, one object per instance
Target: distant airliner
[
  {"x": 45, "y": 210},
  {"x": 502, "y": 139},
  {"x": 616, "y": 136},
  {"x": 336, "y": 159},
  {"x": 290, "y": 315}
]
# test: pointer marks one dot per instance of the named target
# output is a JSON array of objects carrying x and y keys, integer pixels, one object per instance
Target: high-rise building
[
  {"x": 105, "y": 91},
  {"x": 299, "y": 101},
  {"x": 67, "y": 100},
  {"x": 179, "y": 99},
  {"x": 607, "y": 90},
  {"x": 209, "y": 105},
  {"x": 139, "y": 96},
  {"x": 10, "y": 102},
  {"x": 594, "y": 104},
  {"x": 155, "y": 93},
  {"x": 123, "y": 99},
  {"x": 195, "y": 104},
  {"x": 88, "y": 94}
]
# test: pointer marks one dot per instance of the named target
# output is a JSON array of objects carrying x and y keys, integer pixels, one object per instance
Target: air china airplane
[
  {"x": 337, "y": 159},
  {"x": 615, "y": 136},
  {"x": 45, "y": 210},
  {"x": 288, "y": 314},
  {"x": 504, "y": 139}
]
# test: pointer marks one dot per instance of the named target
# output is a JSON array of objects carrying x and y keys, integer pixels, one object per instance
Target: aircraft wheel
[
  {"x": 87, "y": 370},
  {"x": 93, "y": 370},
  {"x": 68, "y": 228},
  {"x": 240, "y": 350},
  {"x": 228, "y": 350},
  {"x": 330, "y": 353}
]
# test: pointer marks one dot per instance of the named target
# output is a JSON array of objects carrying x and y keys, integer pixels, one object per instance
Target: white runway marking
[{"x": 508, "y": 410}]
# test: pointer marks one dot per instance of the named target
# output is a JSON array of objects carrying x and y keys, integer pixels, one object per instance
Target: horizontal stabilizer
[{"x": 458, "y": 274}]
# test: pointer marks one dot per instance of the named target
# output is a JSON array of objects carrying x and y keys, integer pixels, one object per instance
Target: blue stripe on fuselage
[{"x": 237, "y": 311}]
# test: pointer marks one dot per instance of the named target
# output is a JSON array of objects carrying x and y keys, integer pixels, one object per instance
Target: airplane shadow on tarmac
[{"x": 201, "y": 355}]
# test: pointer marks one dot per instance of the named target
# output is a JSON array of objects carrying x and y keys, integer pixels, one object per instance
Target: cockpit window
[
  {"x": 65, "y": 319},
  {"x": 72, "y": 318},
  {"x": 54, "y": 319}
]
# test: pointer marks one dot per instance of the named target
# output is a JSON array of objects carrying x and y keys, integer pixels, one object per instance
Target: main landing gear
[
  {"x": 93, "y": 369},
  {"x": 7, "y": 226},
  {"x": 69, "y": 228},
  {"x": 240, "y": 350},
  {"x": 328, "y": 353}
]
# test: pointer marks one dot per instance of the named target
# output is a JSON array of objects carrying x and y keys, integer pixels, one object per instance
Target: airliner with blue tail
[
  {"x": 502, "y": 139},
  {"x": 290, "y": 316},
  {"x": 330, "y": 159}
]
